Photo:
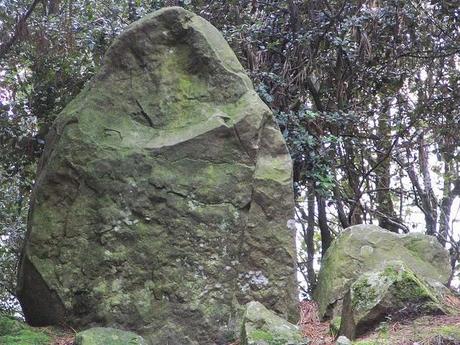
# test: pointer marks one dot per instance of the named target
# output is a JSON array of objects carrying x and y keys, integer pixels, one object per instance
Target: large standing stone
[
  {"x": 163, "y": 195},
  {"x": 363, "y": 248}
]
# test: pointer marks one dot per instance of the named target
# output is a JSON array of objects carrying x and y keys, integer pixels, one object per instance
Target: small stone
[
  {"x": 342, "y": 340},
  {"x": 261, "y": 326}
]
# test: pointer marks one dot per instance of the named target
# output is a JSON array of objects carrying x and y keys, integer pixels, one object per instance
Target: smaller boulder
[
  {"x": 263, "y": 327},
  {"x": 342, "y": 340},
  {"x": 364, "y": 248},
  {"x": 395, "y": 291},
  {"x": 108, "y": 336}
]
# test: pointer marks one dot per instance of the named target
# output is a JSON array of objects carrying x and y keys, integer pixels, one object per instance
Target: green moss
[
  {"x": 262, "y": 326},
  {"x": 259, "y": 334},
  {"x": 116, "y": 151},
  {"x": 267, "y": 337},
  {"x": 451, "y": 331},
  {"x": 344, "y": 262},
  {"x": 405, "y": 287},
  {"x": 277, "y": 170},
  {"x": 418, "y": 246},
  {"x": 26, "y": 337},
  {"x": 391, "y": 273},
  {"x": 409, "y": 287},
  {"x": 13, "y": 332},
  {"x": 364, "y": 294},
  {"x": 9, "y": 325},
  {"x": 395, "y": 288}
]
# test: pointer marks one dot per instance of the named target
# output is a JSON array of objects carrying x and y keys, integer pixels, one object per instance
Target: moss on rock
[
  {"x": 263, "y": 327},
  {"x": 163, "y": 194},
  {"x": 389, "y": 292},
  {"x": 365, "y": 248},
  {"x": 14, "y": 332}
]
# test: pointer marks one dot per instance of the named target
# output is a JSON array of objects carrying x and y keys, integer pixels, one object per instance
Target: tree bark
[
  {"x": 429, "y": 201},
  {"x": 326, "y": 236},
  {"x": 384, "y": 207},
  {"x": 308, "y": 236}
]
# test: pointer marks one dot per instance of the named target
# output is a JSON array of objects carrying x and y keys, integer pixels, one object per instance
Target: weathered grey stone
[
  {"x": 342, "y": 340},
  {"x": 263, "y": 327},
  {"x": 163, "y": 195},
  {"x": 108, "y": 336},
  {"x": 364, "y": 248},
  {"x": 394, "y": 292}
]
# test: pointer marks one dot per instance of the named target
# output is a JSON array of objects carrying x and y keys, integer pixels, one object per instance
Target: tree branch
[{"x": 6, "y": 46}]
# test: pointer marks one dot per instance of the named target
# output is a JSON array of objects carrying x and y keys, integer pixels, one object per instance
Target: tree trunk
[
  {"x": 356, "y": 212},
  {"x": 385, "y": 208},
  {"x": 326, "y": 237},
  {"x": 446, "y": 205},
  {"x": 308, "y": 236},
  {"x": 429, "y": 201}
]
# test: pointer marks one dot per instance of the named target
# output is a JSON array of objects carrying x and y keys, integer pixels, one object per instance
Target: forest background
[{"x": 366, "y": 94}]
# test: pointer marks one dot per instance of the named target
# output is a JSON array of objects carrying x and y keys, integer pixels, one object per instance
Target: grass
[
  {"x": 426, "y": 330},
  {"x": 15, "y": 332}
]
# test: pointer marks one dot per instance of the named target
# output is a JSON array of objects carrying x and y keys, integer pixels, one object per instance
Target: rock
[
  {"x": 364, "y": 248},
  {"x": 395, "y": 292},
  {"x": 108, "y": 336},
  {"x": 163, "y": 196},
  {"x": 263, "y": 327},
  {"x": 342, "y": 340}
]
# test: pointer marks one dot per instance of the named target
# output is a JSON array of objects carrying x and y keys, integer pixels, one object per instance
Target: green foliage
[
  {"x": 333, "y": 72},
  {"x": 334, "y": 326},
  {"x": 13, "y": 208}
]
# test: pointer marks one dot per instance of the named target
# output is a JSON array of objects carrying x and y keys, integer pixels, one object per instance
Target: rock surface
[
  {"x": 365, "y": 248},
  {"x": 263, "y": 327},
  {"x": 163, "y": 195},
  {"x": 342, "y": 340},
  {"x": 394, "y": 292},
  {"x": 108, "y": 336}
]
